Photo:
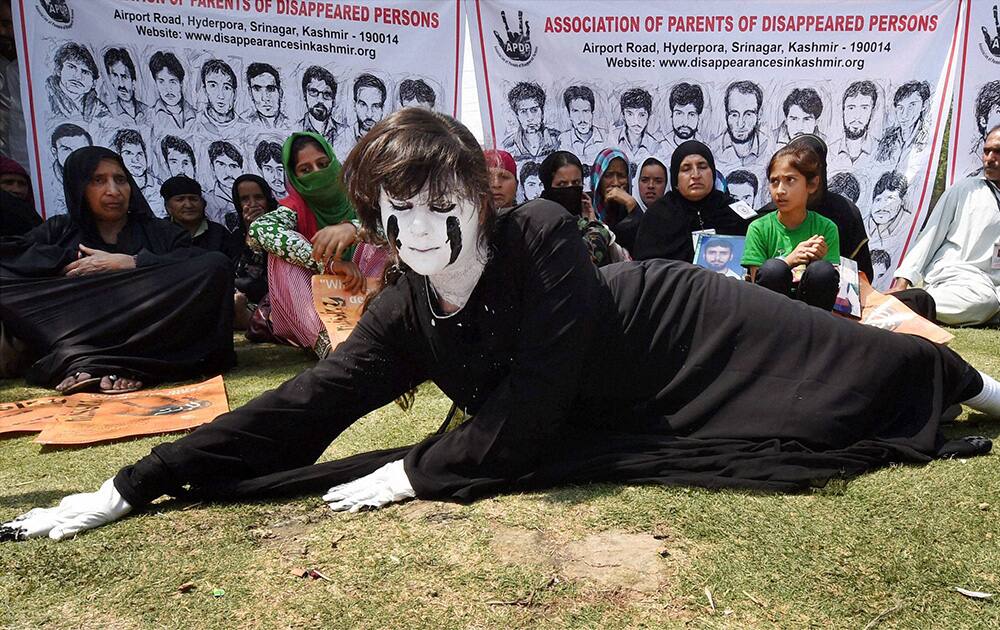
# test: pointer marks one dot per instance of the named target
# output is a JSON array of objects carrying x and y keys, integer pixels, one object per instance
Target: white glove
[
  {"x": 388, "y": 484},
  {"x": 74, "y": 514}
]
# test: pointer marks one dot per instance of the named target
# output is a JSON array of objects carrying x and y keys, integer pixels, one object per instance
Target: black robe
[
  {"x": 666, "y": 227},
  {"x": 656, "y": 371},
  {"x": 851, "y": 227},
  {"x": 170, "y": 318},
  {"x": 218, "y": 239}
]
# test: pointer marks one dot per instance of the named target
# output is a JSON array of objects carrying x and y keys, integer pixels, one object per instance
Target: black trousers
[{"x": 818, "y": 286}]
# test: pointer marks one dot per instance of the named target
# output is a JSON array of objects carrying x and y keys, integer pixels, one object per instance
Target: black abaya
[
  {"x": 665, "y": 228},
  {"x": 648, "y": 372},
  {"x": 169, "y": 318}
]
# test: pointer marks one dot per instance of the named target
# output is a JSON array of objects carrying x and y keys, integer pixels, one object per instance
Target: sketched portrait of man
[
  {"x": 802, "y": 109},
  {"x": 128, "y": 143},
  {"x": 742, "y": 143},
  {"x": 687, "y": 102},
  {"x": 227, "y": 164},
  {"x": 267, "y": 157},
  {"x": 532, "y": 140},
  {"x": 634, "y": 136},
  {"x": 888, "y": 213},
  {"x": 531, "y": 182},
  {"x": 264, "y": 86},
  {"x": 583, "y": 138},
  {"x": 171, "y": 110},
  {"x": 178, "y": 157},
  {"x": 987, "y": 114},
  {"x": 744, "y": 185},
  {"x": 71, "y": 88},
  {"x": 856, "y": 147},
  {"x": 219, "y": 115},
  {"x": 319, "y": 91},
  {"x": 416, "y": 93},
  {"x": 122, "y": 77},
  {"x": 911, "y": 106},
  {"x": 67, "y": 138}
]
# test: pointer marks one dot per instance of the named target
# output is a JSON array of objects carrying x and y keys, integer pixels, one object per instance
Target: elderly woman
[
  {"x": 507, "y": 315},
  {"x": 693, "y": 204},
  {"x": 108, "y": 296}
]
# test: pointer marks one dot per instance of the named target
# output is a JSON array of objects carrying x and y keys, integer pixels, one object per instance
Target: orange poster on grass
[{"x": 90, "y": 418}]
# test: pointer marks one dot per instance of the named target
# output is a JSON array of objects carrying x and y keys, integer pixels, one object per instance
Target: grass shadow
[{"x": 40, "y": 498}]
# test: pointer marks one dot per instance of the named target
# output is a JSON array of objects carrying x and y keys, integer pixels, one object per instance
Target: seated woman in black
[
  {"x": 252, "y": 198},
  {"x": 185, "y": 206},
  {"x": 508, "y": 317},
  {"x": 692, "y": 204},
  {"x": 561, "y": 174},
  {"x": 108, "y": 296}
]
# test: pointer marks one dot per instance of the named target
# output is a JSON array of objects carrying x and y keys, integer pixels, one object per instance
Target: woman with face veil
[
  {"x": 109, "y": 297},
  {"x": 313, "y": 230},
  {"x": 692, "y": 204},
  {"x": 508, "y": 316}
]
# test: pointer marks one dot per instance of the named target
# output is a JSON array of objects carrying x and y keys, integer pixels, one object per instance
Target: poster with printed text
[
  {"x": 211, "y": 89},
  {"x": 977, "y": 89},
  {"x": 873, "y": 79}
]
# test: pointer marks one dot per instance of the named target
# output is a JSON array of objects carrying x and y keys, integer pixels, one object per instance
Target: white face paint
[{"x": 439, "y": 240}]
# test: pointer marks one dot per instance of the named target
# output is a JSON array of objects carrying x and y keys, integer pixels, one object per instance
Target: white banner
[
  {"x": 977, "y": 91},
  {"x": 211, "y": 88},
  {"x": 873, "y": 78}
]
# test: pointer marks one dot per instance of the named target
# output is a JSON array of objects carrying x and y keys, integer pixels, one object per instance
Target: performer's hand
[
  {"x": 97, "y": 261},
  {"x": 622, "y": 197},
  {"x": 74, "y": 514},
  {"x": 331, "y": 241},
  {"x": 899, "y": 284},
  {"x": 354, "y": 280},
  {"x": 386, "y": 485}
]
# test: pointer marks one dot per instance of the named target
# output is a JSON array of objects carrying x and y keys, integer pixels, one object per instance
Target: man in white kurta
[{"x": 956, "y": 257}]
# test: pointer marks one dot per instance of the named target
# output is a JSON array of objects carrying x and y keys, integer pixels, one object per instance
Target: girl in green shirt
[{"x": 794, "y": 236}]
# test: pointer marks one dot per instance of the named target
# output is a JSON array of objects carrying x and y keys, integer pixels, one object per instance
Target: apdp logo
[
  {"x": 56, "y": 12},
  {"x": 517, "y": 50},
  {"x": 991, "y": 47}
]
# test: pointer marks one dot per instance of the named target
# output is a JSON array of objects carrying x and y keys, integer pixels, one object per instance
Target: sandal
[
  {"x": 89, "y": 384},
  {"x": 123, "y": 390}
]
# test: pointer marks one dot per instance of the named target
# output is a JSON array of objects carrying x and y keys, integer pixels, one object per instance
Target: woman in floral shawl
[{"x": 313, "y": 230}]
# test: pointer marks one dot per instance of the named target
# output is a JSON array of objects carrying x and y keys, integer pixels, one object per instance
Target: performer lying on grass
[{"x": 651, "y": 372}]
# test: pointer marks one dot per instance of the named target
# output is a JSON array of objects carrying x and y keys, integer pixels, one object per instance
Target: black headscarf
[
  {"x": 666, "y": 227},
  {"x": 77, "y": 171},
  {"x": 690, "y": 147},
  {"x": 272, "y": 203},
  {"x": 179, "y": 185}
]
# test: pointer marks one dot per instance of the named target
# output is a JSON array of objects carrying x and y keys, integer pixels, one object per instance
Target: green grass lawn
[{"x": 885, "y": 550}]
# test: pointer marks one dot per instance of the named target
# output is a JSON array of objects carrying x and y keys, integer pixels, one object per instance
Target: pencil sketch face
[
  {"x": 266, "y": 95},
  {"x": 684, "y": 119},
  {"x": 581, "y": 116},
  {"x": 121, "y": 81},
  {"x": 135, "y": 159},
  {"x": 319, "y": 99},
  {"x": 910, "y": 110},
  {"x": 529, "y": 115},
  {"x": 169, "y": 87},
  {"x": 369, "y": 107},
  {"x": 799, "y": 121},
  {"x": 742, "y": 117},
  {"x": 75, "y": 78},
  {"x": 180, "y": 163},
  {"x": 886, "y": 206},
  {"x": 221, "y": 93},
  {"x": 857, "y": 115}
]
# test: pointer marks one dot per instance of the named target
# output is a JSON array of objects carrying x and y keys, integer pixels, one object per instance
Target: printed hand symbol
[
  {"x": 993, "y": 43},
  {"x": 518, "y": 45}
]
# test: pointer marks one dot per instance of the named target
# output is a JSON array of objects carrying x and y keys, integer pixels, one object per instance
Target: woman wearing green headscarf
[{"x": 313, "y": 230}]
